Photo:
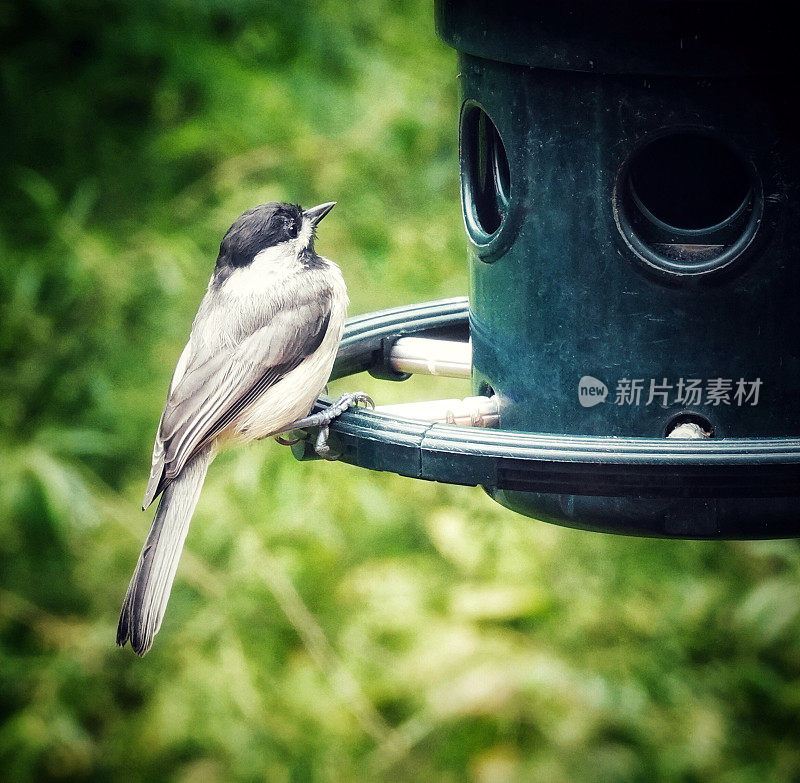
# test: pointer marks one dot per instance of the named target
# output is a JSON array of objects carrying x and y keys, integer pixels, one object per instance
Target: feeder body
[{"x": 633, "y": 221}]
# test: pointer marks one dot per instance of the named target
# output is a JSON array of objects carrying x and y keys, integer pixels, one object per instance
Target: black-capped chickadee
[{"x": 261, "y": 349}]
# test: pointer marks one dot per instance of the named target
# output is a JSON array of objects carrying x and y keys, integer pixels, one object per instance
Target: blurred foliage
[{"x": 327, "y": 624}]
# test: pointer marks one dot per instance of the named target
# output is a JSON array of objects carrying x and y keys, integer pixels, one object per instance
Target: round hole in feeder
[
  {"x": 688, "y": 202},
  {"x": 485, "y": 390},
  {"x": 485, "y": 175},
  {"x": 689, "y": 182},
  {"x": 689, "y": 426}
]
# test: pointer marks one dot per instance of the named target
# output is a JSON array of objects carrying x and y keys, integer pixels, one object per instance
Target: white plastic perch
[
  {"x": 469, "y": 412},
  {"x": 445, "y": 358},
  {"x": 426, "y": 356}
]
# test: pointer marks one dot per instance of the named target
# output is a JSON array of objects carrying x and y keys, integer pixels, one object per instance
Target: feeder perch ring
[{"x": 717, "y": 472}]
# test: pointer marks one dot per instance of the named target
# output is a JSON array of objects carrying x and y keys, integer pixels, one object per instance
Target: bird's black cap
[{"x": 263, "y": 226}]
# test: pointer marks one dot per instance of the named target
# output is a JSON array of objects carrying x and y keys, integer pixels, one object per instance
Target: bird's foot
[{"x": 324, "y": 418}]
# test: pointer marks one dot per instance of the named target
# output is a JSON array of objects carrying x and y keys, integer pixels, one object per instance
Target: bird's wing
[{"x": 214, "y": 388}]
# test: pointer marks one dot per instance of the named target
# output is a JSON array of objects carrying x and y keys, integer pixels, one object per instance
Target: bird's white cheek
[
  {"x": 304, "y": 235},
  {"x": 269, "y": 267}
]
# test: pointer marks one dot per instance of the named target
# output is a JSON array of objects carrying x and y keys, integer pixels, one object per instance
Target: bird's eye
[{"x": 291, "y": 227}]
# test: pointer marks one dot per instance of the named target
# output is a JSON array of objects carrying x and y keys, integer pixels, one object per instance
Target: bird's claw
[
  {"x": 349, "y": 400},
  {"x": 321, "y": 444},
  {"x": 325, "y": 417},
  {"x": 284, "y": 442}
]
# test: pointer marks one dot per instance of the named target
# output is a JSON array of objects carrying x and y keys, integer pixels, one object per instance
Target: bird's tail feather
[{"x": 148, "y": 592}]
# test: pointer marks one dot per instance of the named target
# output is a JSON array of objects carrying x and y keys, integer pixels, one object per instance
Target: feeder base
[{"x": 673, "y": 487}]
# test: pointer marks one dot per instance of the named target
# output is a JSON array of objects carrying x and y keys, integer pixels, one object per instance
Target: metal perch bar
[
  {"x": 469, "y": 412},
  {"x": 426, "y": 356}
]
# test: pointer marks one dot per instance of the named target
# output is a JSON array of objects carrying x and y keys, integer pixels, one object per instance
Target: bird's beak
[{"x": 315, "y": 214}]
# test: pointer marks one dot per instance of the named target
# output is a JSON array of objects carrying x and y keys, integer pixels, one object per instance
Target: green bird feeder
[{"x": 629, "y": 186}]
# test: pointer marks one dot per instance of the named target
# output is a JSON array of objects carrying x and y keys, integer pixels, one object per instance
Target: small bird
[{"x": 261, "y": 349}]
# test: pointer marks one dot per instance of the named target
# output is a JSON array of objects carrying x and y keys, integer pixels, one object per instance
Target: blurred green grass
[{"x": 327, "y": 624}]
